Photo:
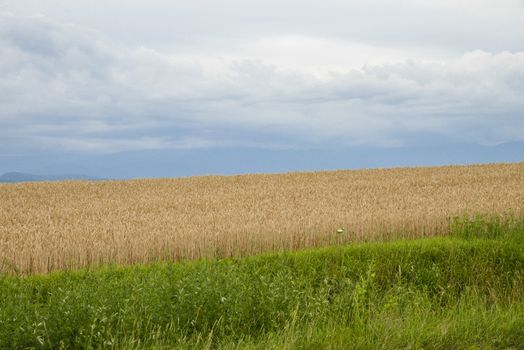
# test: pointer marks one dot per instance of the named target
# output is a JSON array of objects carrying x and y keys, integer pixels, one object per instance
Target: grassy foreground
[{"x": 464, "y": 291}]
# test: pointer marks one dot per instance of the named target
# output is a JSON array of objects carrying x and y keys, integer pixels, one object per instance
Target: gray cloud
[{"x": 65, "y": 88}]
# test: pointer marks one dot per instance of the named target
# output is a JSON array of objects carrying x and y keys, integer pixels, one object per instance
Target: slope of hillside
[
  {"x": 46, "y": 226},
  {"x": 438, "y": 293}
]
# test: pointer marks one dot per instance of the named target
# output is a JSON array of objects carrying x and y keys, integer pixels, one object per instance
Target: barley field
[{"x": 62, "y": 225}]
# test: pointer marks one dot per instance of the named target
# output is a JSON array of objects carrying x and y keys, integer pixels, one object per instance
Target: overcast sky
[{"x": 99, "y": 77}]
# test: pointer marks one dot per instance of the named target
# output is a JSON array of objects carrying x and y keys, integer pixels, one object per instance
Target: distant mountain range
[{"x": 24, "y": 177}]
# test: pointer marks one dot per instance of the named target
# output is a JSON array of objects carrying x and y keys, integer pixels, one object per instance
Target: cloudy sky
[{"x": 91, "y": 77}]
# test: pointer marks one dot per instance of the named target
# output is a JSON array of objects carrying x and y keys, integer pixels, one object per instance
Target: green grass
[{"x": 465, "y": 291}]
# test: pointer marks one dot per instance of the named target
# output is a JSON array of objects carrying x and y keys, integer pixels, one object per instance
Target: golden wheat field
[{"x": 49, "y": 226}]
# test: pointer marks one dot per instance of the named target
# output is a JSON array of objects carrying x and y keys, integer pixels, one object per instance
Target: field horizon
[
  {"x": 426, "y": 257},
  {"x": 282, "y": 175},
  {"x": 46, "y": 226}
]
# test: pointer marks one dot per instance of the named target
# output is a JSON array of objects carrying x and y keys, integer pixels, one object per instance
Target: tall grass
[
  {"x": 50, "y": 226},
  {"x": 432, "y": 293},
  {"x": 488, "y": 226}
]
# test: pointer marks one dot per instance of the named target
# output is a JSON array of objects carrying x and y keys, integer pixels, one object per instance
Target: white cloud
[
  {"x": 462, "y": 25},
  {"x": 62, "y": 87}
]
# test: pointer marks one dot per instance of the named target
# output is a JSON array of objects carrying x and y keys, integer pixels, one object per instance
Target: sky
[{"x": 86, "y": 80}]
